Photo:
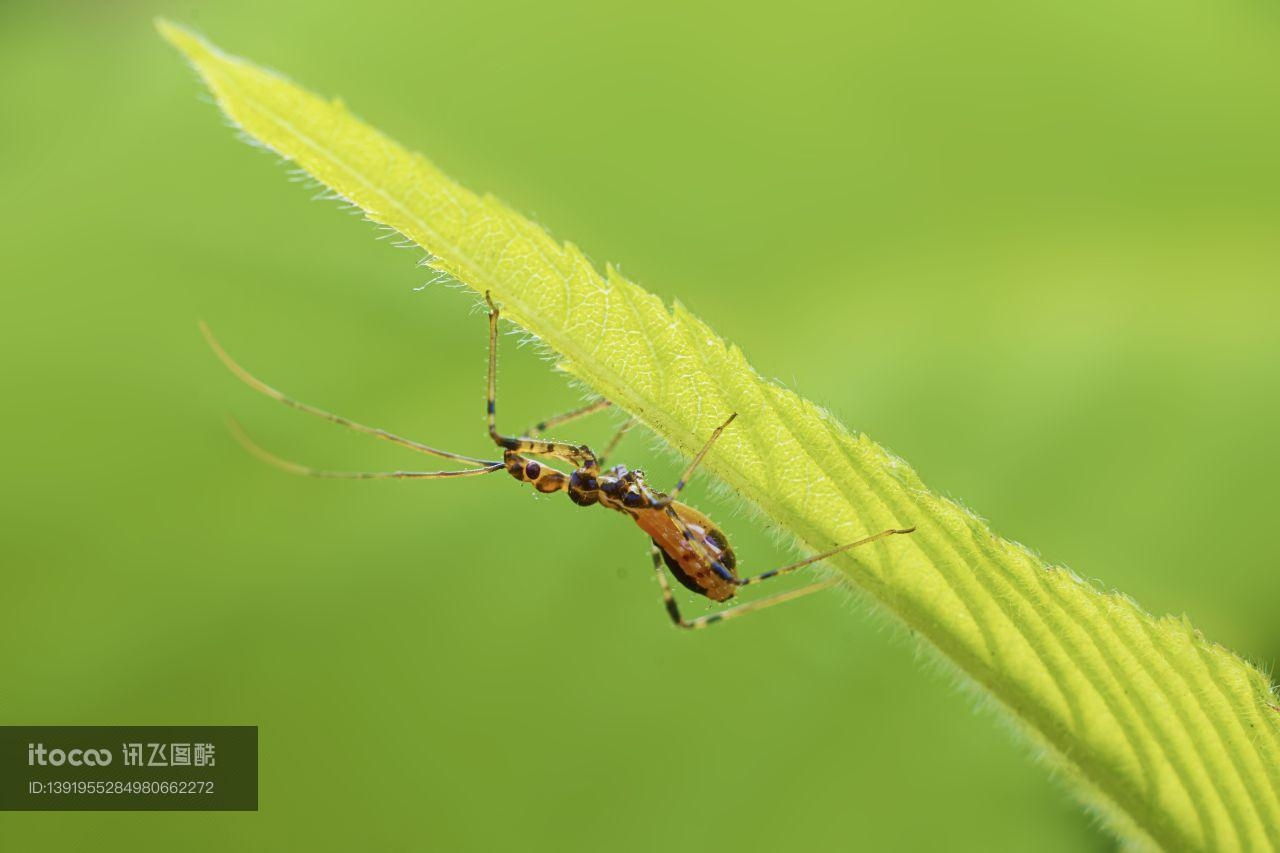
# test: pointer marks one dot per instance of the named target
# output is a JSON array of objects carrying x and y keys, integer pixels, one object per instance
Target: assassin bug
[{"x": 695, "y": 551}]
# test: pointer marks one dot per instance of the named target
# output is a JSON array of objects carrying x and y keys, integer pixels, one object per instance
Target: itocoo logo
[{"x": 37, "y": 754}]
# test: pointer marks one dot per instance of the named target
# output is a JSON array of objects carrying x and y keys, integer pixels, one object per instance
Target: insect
[{"x": 687, "y": 542}]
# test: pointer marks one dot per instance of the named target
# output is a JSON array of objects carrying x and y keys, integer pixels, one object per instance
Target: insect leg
[
  {"x": 697, "y": 460},
  {"x": 579, "y": 455},
  {"x": 263, "y": 388},
  {"x": 590, "y": 408},
  {"x": 617, "y": 437},
  {"x": 724, "y": 573},
  {"x": 294, "y": 468},
  {"x": 808, "y": 561},
  {"x": 679, "y": 621}
]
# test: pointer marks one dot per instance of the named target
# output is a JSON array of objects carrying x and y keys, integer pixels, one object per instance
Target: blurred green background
[{"x": 1031, "y": 248}]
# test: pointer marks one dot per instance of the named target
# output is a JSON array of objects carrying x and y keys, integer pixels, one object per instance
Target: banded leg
[
  {"x": 263, "y": 388},
  {"x": 306, "y": 471},
  {"x": 673, "y": 610},
  {"x": 589, "y": 409},
  {"x": 579, "y": 455},
  {"x": 809, "y": 561}
]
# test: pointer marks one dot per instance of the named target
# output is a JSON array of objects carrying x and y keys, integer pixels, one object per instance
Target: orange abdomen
[{"x": 686, "y": 562}]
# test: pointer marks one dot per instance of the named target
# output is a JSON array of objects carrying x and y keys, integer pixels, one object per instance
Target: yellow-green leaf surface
[{"x": 1174, "y": 739}]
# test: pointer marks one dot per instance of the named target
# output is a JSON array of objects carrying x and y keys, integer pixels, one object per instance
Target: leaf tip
[
  {"x": 190, "y": 43},
  {"x": 169, "y": 31}
]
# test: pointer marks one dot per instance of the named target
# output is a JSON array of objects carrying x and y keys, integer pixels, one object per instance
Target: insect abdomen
[{"x": 686, "y": 562}]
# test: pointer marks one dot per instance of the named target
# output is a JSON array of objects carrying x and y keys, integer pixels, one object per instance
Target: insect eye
[{"x": 632, "y": 499}]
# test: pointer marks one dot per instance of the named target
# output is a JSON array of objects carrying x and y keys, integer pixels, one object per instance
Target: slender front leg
[
  {"x": 589, "y": 409},
  {"x": 673, "y": 610},
  {"x": 579, "y": 455}
]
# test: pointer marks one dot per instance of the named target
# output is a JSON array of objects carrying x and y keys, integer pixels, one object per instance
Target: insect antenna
[
  {"x": 263, "y": 388},
  {"x": 294, "y": 468}
]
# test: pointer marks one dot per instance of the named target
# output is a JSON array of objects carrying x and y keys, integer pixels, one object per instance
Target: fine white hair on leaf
[{"x": 1110, "y": 694}]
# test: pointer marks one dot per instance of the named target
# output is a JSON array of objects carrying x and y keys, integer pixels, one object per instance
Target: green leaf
[{"x": 1175, "y": 740}]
